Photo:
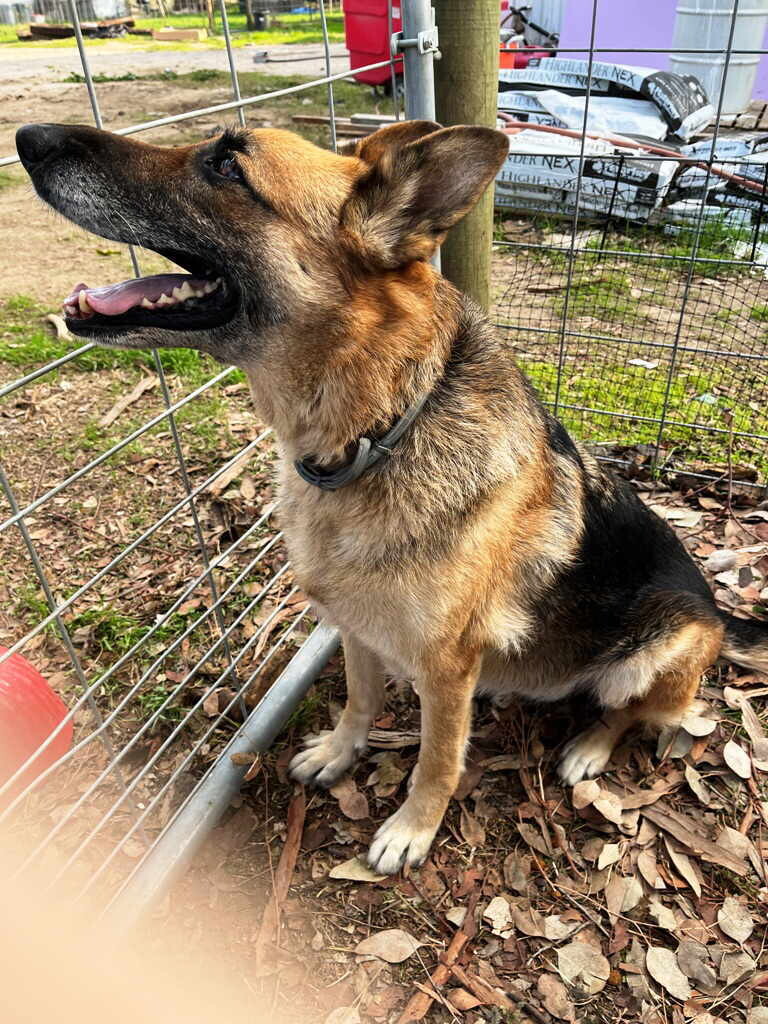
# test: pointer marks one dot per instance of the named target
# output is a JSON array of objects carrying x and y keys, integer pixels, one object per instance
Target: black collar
[{"x": 368, "y": 452}]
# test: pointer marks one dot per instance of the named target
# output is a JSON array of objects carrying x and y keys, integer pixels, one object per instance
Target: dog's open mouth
[{"x": 182, "y": 302}]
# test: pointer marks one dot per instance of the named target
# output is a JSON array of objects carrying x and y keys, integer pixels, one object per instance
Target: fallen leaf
[
  {"x": 687, "y": 517},
  {"x": 499, "y": 914},
  {"x": 647, "y": 364},
  {"x": 583, "y": 966},
  {"x": 684, "y": 866},
  {"x": 555, "y": 929},
  {"x": 393, "y": 945},
  {"x": 610, "y": 854},
  {"x": 211, "y": 704},
  {"x": 737, "y": 759},
  {"x": 683, "y": 828},
  {"x": 663, "y": 968},
  {"x": 632, "y": 894},
  {"x": 554, "y": 995},
  {"x": 233, "y": 470},
  {"x": 649, "y": 869},
  {"x": 736, "y": 967},
  {"x": 721, "y": 560},
  {"x": 674, "y": 742},
  {"x": 615, "y": 892},
  {"x": 144, "y": 384},
  {"x": 534, "y": 839},
  {"x": 609, "y": 805},
  {"x": 352, "y": 803},
  {"x": 355, "y": 870},
  {"x": 665, "y": 917},
  {"x": 735, "y": 920},
  {"x": 456, "y": 916},
  {"x": 693, "y": 960},
  {"x": 695, "y": 725},
  {"x": 739, "y": 846},
  {"x": 584, "y": 793},
  {"x": 697, "y": 785},
  {"x": 462, "y": 1000},
  {"x": 528, "y": 920},
  {"x": 471, "y": 829},
  {"x": 592, "y": 849},
  {"x": 517, "y": 871}
]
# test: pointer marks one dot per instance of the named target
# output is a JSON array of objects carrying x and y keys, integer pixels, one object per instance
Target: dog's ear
[
  {"x": 391, "y": 136},
  {"x": 403, "y": 205}
]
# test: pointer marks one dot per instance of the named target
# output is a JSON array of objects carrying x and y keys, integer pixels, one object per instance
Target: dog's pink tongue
[{"x": 113, "y": 299}]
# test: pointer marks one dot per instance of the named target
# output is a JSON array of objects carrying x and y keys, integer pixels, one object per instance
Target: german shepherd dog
[{"x": 434, "y": 510}]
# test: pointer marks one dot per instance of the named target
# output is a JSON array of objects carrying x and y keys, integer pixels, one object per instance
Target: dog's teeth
[
  {"x": 82, "y": 301},
  {"x": 165, "y": 300},
  {"x": 147, "y": 304},
  {"x": 186, "y": 291}
]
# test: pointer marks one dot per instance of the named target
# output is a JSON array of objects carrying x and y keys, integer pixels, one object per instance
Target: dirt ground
[{"x": 642, "y": 897}]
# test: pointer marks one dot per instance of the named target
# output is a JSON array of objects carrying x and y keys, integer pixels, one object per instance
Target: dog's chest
[{"x": 394, "y": 613}]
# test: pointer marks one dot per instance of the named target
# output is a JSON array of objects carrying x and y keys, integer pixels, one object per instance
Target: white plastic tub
[{"x": 706, "y": 25}]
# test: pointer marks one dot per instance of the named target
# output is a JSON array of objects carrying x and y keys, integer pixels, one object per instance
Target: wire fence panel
[
  {"x": 144, "y": 574},
  {"x": 631, "y": 250}
]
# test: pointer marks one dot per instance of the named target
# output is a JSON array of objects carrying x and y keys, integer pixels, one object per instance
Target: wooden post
[{"x": 466, "y": 85}]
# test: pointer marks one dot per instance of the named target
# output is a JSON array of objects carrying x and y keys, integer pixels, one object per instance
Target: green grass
[
  {"x": 352, "y": 95},
  {"x": 150, "y": 701},
  {"x": 108, "y": 634},
  {"x": 608, "y": 297},
  {"x": 31, "y": 604},
  {"x": 289, "y": 29},
  {"x": 716, "y": 242},
  {"x": 759, "y": 313},
  {"x": 693, "y": 398}
]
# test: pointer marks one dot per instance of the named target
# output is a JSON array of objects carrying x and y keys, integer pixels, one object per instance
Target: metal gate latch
[{"x": 425, "y": 42}]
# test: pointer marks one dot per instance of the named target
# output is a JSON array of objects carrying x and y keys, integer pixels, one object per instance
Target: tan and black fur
[{"x": 489, "y": 552}]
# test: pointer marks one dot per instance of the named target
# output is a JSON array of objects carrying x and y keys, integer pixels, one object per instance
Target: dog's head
[{"x": 273, "y": 231}]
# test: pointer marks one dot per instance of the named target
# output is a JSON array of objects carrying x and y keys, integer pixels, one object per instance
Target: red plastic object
[
  {"x": 511, "y": 56},
  {"x": 29, "y": 712},
  {"x": 366, "y": 30}
]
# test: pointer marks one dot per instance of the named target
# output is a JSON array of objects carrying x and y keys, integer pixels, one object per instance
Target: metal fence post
[
  {"x": 419, "y": 45},
  {"x": 418, "y": 61}
]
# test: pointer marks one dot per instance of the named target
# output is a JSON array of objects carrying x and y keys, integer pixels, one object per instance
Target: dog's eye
[{"x": 225, "y": 167}]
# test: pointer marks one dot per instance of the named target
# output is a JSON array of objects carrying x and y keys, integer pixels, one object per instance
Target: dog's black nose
[{"x": 35, "y": 142}]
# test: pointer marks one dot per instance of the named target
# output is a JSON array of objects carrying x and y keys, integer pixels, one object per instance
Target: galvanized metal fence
[
  {"x": 160, "y": 691},
  {"x": 150, "y": 771}
]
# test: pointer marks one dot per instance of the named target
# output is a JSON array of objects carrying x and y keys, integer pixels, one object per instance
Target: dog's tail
[{"x": 746, "y": 642}]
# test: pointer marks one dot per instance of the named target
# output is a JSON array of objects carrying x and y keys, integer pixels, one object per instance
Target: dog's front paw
[
  {"x": 586, "y": 756},
  {"x": 326, "y": 757},
  {"x": 401, "y": 840}
]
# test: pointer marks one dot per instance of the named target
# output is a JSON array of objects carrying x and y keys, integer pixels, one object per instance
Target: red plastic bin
[
  {"x": 366, "y": 29},
  {"x": 29, "y": 713}
]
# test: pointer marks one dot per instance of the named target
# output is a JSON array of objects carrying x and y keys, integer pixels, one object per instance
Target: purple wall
[{"x": 647, "y": 24}]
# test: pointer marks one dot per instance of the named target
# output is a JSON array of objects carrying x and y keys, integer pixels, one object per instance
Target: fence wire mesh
[
  {"x": 631, "y": 270},
  {"x": 144, "y": 574}
]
